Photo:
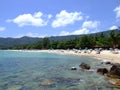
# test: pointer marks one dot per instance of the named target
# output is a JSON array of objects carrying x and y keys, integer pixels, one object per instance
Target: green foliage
[
  {"x": 86, "y": 41},
  {"x": 90, "y": 41},
  {"x": 45, "y": 43},
  {"x": 114, "y": 38}
]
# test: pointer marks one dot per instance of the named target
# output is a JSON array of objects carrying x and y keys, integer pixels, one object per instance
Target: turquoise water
[{"x": 30, "y": 71}]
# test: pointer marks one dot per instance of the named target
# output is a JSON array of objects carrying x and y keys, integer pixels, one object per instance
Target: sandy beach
[{"x": 104, "y": 54}]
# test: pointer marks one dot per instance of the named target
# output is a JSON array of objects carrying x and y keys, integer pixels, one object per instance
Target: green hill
[{"x": 10, "y": 42}]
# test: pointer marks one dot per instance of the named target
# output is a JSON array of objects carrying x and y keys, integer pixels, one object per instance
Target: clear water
[{"x": 29, "y": 70}]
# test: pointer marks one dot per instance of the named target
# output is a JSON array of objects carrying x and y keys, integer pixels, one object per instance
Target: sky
[{"x": 45, "y": 18}]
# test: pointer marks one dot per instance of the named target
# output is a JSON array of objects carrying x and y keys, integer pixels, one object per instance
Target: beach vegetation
[{"x": 101, "y": 40}]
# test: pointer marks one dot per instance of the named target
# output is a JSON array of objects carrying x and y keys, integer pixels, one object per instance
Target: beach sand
[{"x": 104, "y": 54}]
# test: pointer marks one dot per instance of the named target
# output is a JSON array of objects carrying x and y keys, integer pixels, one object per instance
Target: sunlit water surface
[{"x": 47, "y": 71}]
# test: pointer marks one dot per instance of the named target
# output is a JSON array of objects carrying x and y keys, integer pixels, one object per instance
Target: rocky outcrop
[
  {"x": 112, "y": 80},
  {"x": 84, "y": 66},
  {"x": 113, "y": 77},
  {"x": 102, "y": 71},
  {"x": 115, "y": 70}
]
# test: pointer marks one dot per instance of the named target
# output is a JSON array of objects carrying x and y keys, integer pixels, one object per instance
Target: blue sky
[{"x": 40, "y": 18}]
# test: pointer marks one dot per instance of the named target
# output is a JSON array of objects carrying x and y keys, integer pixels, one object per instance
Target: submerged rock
[
  {"x": 47, "y": 82},
  {"x": 102, "y": 71},
  {"x": 67, "y": 81},
  {"x": 15, "y": 87},
  {"x": 84, "y": 66},
  {"x": 115, "y": 82}
]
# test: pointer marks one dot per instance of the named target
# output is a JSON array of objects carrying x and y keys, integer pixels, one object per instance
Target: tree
[
  {"x": 113, "y": 38},
  {"x": 86, "y": 41},
  {"x": 46, "y": 43},
  {"x": 61, "y": 45},
  {"x": 54, "y": 44}
]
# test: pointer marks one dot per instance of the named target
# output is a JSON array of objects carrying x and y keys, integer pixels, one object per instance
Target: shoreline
[{"x": 104, "y": 54}]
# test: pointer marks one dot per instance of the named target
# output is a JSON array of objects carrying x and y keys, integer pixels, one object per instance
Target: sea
[{"x": 23, "y": 70}]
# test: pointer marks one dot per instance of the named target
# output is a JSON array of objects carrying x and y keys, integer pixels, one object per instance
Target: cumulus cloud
[
  {"x": 91, "y": 24},
  {"x": 87, "y": 27},
  {"x": 76, "y": 32},
  {"x": 64, "y": 33},
  {"x": 30, "y": 34},
  {"x": 2, "y": 28},
  {"x": 81, "y": 31},
  {"x": 64, "y": 18},
  {"x": 37, "y": 19},
  {"x": 113, "y": 27},
  {"x": 117, "y": 10}
]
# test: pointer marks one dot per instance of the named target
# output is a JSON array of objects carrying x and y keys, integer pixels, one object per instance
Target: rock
[
  {"x": 73, "y": 68},
  {"x": 115, "y": 70},
  {"x": 102, "y": 71},
  {"x": 47, "y": 82},
  {"x": 113, "y": 77},
  {"x": 115, "y": 82},
  {"x": 67, "y": 81},
  {"x": 15, "y": 87},
  {"x": 84, "y": 66},
  {"x": 108, "y": 62}
]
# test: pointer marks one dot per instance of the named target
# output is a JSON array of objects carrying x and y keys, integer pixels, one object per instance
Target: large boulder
[
  {"x": 102, "y": 71},
  {"x": 115, "y": 70},
  {"x": 113, "y": 77},
  {"x": 84, "y": 66},
  {"x": 115, "y": 82}
]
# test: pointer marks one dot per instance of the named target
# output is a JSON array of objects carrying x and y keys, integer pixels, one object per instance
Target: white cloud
[
  {"x": 90, "y": 24},
  {"x": 117, "y": 10},
  {"x": 2, "y": 28},
  {"x": 64, "y": 18},
  {"x": 87, "y": 27},
  {"x": 76, "y": 32},
  {"x": 113, "y": 27},
  {"x": 64, "y": 33},
  {"x": 30, "y": 34},
  {"x": 49, "y": 16},
  {"x": 37, "y": 19},
  {"x": 81, "y": 31}
]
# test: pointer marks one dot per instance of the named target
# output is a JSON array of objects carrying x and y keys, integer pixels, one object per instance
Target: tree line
[{"x": 90, "y": 41}]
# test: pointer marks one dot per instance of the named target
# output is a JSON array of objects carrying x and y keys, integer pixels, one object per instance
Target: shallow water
[{"x": 32, "y": 70}]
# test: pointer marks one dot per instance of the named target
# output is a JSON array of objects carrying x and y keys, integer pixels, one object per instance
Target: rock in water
[
  {"x": 113, "y": 77},
  {"x": 73, "y": 68},
  {"x": 115, "y": 70},
  {"x": 47, "y": 82},
  {"x": 84, "y": 66},
  {"x": 102, "y": 71},
  {"x": 115, "y": 82}
]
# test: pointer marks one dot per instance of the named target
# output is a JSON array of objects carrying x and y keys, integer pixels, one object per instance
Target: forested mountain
[{"x": 11, "y": 42}]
